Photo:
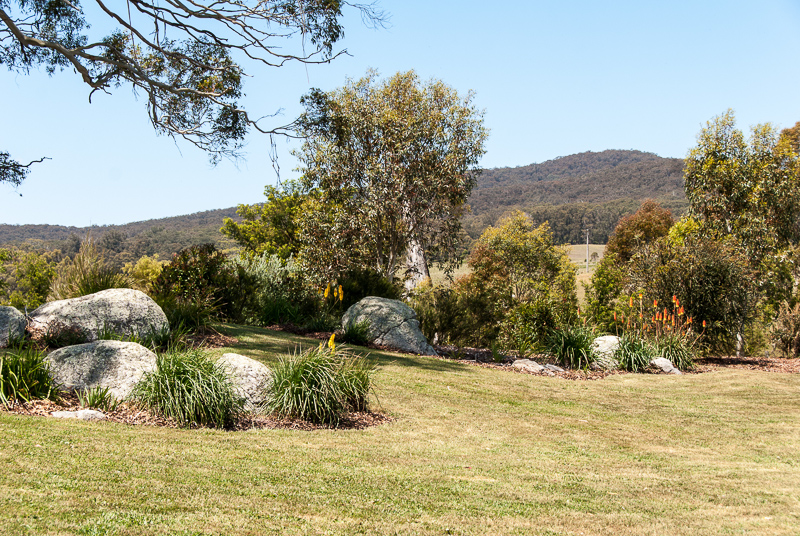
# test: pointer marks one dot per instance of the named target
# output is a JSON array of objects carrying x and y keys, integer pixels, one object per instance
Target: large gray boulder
[
  {"x": 12, "y": 325},
  {"x": 604, "y": 348},
  {"x": 115, "y": 365},
  {"x": 250, "y": 378},
  {"x": 392, "y": 323},
  {"x": 122, "y": 311}
]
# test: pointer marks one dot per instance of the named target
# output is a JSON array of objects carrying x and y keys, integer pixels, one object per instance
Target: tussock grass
[
  {"x": 634, "y": 353},
  {"x": 571, "y": 346},
  {"x": 472, "y": 451},
  {"x": 25, "y": 376},
  {"x": 191, "y": 389},
  {"x": 319, "y": 385},
  {"x": 97, "y": 398}
]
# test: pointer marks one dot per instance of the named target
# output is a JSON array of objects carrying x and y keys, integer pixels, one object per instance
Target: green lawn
[{"x": 471, "y": 451}]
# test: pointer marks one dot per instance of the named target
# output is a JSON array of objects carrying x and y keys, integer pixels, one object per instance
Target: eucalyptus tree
[
  {"x": 187, "y": 58},
  {"x": 391, "y": 164},
  {"x": 749, "y": 189}
]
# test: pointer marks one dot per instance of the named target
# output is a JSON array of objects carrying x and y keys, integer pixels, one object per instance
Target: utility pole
[{"x": 587, "y": 250}]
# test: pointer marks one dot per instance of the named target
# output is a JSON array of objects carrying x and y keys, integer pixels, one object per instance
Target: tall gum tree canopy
[
  {"x": 746, "y": 188},
  {"x": 184, "y": 56},
  {"x": 392, "y": 164}
]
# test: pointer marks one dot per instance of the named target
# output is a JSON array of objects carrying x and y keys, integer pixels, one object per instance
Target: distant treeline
[
  {"x": 568, "y": 222},
  {"x": 127, "y": 243},
  {"x": 573, "y": 193}
]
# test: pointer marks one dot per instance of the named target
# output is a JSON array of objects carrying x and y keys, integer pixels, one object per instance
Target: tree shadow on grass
[{"x": 268, "y": 345}]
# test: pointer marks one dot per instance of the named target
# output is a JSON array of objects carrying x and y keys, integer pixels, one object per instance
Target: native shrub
[
  {"x": 197, "y": 286},
  {"x": 278, "y": 292},
  {"x": 785, "y": 332},
  {"x": 716, "y": 286},
  {"x": 143, "y": 273},
  {"x": 527, "y": 326},
  {"x": 511, "y": 265},
  {"x": 359, "y": 283}
]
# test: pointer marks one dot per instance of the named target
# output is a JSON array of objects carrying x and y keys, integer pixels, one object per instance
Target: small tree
[
  {"x": 648, "y": 223},
  {"x": 271, "y": 228},
  {"x": 392, "y": 163},
  {"x": 713, "y": 280},
  {"x": 526, "y": 258}
]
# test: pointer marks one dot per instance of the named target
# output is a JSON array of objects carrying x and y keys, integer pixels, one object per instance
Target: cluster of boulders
[
  {"x": 118, "y": 365},
  {"x": 112, "y": 364},
  {"x": 603, "y": 349}
]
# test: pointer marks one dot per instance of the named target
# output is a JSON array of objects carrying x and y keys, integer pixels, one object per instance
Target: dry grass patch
[{"x": 471, "y": 451}]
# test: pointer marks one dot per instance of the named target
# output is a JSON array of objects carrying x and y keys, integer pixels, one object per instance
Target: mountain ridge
[{"x": 573, "y": 192}]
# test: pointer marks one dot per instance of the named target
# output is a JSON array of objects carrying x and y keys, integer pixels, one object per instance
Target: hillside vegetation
[
  {"x": 126, "y": 243},
  {"x": 574, "y": 192},
  {"x": 585, "y": 190}
]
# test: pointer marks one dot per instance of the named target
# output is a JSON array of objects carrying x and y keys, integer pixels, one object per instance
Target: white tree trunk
[{"x": 416, "y": 265}]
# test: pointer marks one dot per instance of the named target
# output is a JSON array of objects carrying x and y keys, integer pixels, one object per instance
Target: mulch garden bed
[
  {"x": 481, "y": 357},
  {"x": 763, "y": 364},
  {"x": 131, "y": 415}
]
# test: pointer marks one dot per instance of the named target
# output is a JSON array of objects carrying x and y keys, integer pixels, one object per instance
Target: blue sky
[{"x": 555, "y": 78}]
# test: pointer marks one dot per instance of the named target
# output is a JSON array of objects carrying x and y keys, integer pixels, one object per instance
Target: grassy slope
[
  {"x": 472, "y": 451},
  {"x": 577, "y": 254}
]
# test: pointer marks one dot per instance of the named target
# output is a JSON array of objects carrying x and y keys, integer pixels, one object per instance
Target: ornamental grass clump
[
  {"x": 571, "y": 346},
  {"x": 677, "y": 349},
  {"x": 634, "y": 353},
  {"x": 97, "y": 398},
  {"x": 85, "y": 274},
  {"x": 320, "y": 385},
  {"x": 191, "y": 389},
  {"x": 24, "y": 376},
  {"x": 356, "y": 332}
]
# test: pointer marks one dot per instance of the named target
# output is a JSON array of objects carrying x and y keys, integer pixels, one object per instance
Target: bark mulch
[
  {"x": 131, "y": 415},
  {"x": 483, "y": 358},
  {"x": 763, "y": 364}
]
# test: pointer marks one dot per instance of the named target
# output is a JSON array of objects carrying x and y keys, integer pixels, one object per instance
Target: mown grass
[{"x": 472, "y": 451}]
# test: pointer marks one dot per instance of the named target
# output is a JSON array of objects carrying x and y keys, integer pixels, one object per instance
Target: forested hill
[
  {"x": 128, "y": 242},
  {"x": 574, "y": 192}
]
